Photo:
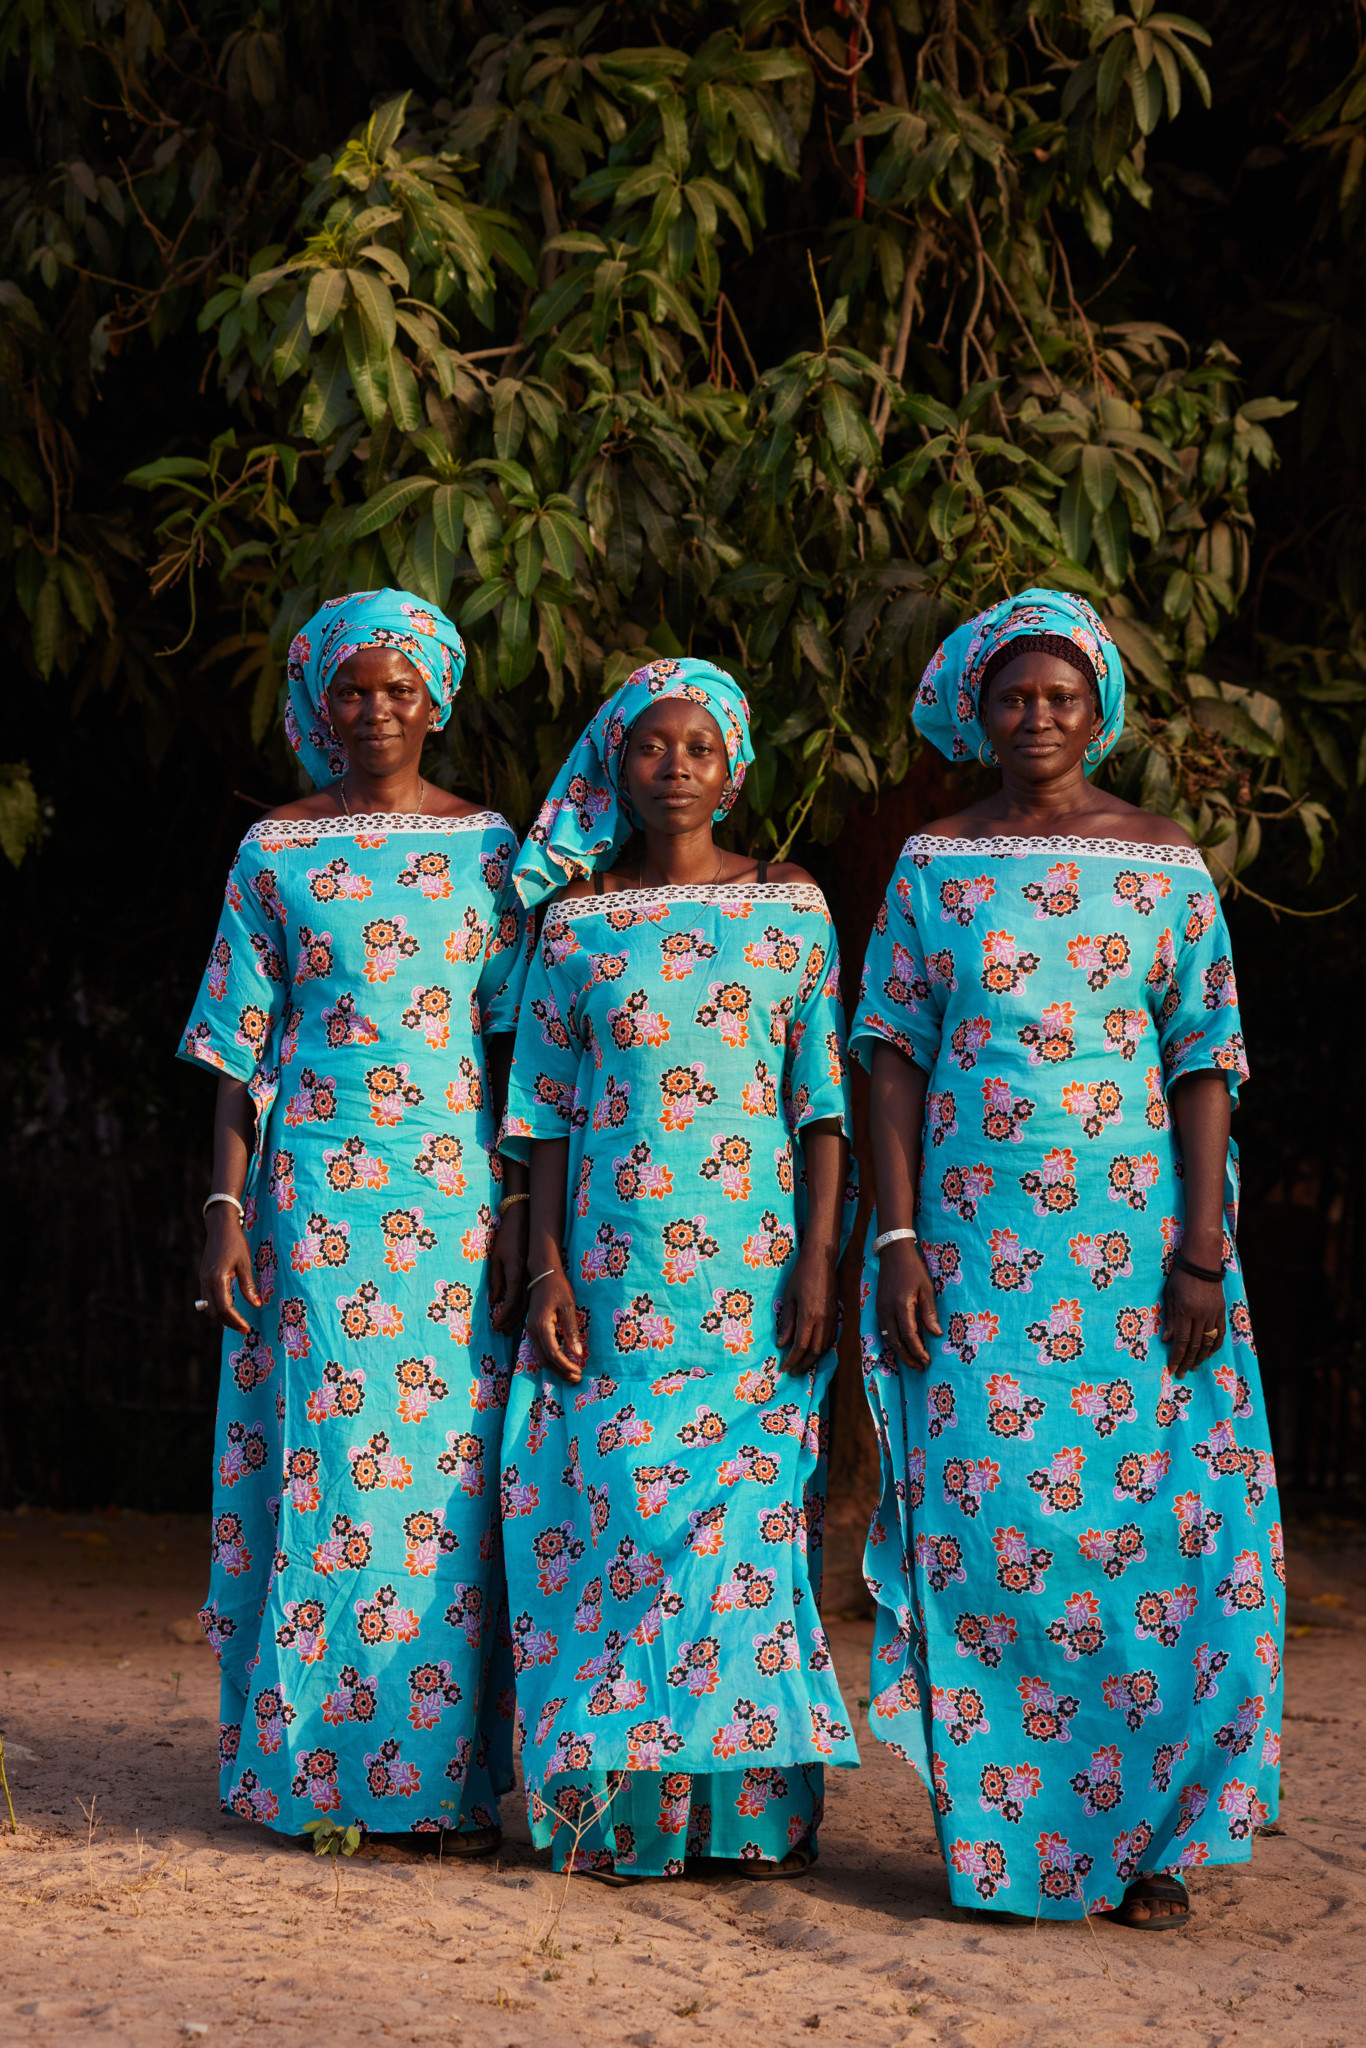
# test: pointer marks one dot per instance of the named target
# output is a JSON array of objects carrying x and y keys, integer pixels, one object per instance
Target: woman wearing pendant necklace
[
  {"x": 679, "y": 1086},
  {"x": 1077, "y": 1560},
  {"x": 365, "y": 1255}
]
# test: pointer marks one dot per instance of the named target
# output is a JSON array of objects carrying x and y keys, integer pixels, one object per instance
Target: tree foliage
[{"x": 786, "y": 334}]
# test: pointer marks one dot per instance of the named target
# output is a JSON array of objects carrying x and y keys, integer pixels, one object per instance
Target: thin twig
[{"x": 13, "y": 1824}]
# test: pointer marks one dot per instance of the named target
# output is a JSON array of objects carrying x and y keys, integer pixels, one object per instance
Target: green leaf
[
  {"x": 20, "y": 817},
  {"x": 47, "y": 626},
  {"x": 326, "y": 296},
  {"x": 167, "y": 469},
  {"x": 431, "y": 564},
  {"x": 368, "y": 364},
  {"x": 387, "y": 505},
  {"x": 1098, "y": 476},
  {"x": 448, "y": 511},
  {"x": 405, "y": 400},
  {"x": 327, "y": 398}
]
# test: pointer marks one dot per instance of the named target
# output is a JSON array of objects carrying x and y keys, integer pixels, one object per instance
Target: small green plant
[
  {"x": 330, "y": 1840},
  {"x": 13, "y": 1824}
]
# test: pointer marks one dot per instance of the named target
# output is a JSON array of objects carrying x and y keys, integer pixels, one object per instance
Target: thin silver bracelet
[
  {"x": 541, "y": 1276},
  {"x": 241, "y": 1212},
  {"x": 891, "y": 1237}
]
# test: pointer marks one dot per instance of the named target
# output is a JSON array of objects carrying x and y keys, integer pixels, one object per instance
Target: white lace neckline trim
[
  {"x": 1005, "y": 847},
  {"x": 371, "y": 824},
  {"x": 798, "y": 895}
]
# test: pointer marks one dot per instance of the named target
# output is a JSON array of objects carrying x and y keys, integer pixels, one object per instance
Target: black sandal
[{"x": 1151, "y": 1890}]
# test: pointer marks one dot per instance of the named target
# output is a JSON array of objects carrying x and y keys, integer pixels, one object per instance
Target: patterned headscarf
[
  {"x": 948, "y": 702},
  {"x": 366, "y": 618},
  {"x": 587, "y": 816}
]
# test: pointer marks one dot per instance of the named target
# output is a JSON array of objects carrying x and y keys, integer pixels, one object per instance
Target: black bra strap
[
  {"x": 597, "y": 882},
  {"x": 763, "y": 872}
]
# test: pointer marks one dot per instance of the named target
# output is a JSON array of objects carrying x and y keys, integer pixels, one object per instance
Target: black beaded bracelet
[{"x": 1198, "y": 1272}]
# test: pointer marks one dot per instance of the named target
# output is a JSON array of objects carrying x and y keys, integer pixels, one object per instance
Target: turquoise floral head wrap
[
  {"x": 342, "y": 626},
  {"x": 948, "y": 702},
  {"x": 587, "y": 816}
]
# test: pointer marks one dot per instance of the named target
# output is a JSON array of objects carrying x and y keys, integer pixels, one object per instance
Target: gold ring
[{"x": 1211, "y": 1333}]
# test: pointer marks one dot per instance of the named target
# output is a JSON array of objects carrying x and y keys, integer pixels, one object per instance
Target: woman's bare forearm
[
  {"x": 896, "y": 1115},
  {"x": 234, "y": 1130},
  {"x": 1201, "y": 1111},
  {"x": 826, "y": 1150},
  {"x": 497, "y": 1067},
  {"x": 549, "y": 1187}
]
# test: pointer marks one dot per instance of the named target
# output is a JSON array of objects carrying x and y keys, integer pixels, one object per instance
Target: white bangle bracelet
[
  {"x": 891, "y": 1237},
  {"x": 241, "y": 1212}
]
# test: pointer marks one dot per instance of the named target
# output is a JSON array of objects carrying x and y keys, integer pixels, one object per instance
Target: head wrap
[
  {"x": 587, "y": 816},
  {"x": 949, "y": 701},
  {"x": 342, "y": 626}
]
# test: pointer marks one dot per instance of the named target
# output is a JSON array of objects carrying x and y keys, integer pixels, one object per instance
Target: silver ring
[
  {"x": 201, "y": 1306},
  {"x": 883, "y": 1333}
]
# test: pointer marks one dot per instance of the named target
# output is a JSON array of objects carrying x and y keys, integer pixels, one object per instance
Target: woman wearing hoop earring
[{"x": 1077, "y": 1531}]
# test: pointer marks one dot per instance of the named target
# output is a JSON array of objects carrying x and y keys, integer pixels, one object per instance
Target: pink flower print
[
  {"x": 969, "y": 1039},
  {"x": 466, "y": 1612},
  {"x": 985, "y": 1637},
  {"x": 1135, "y": 1329},
  {"x": 941, "y": 1560},
  {"x": 1140, "y": 892},
  {"x": 353, "y": 1168},
  {"x": 1107, "y": 1256},
  {"x": 1236, "y": 1387},
  {"x": 968, "y": 1333},
  {"x": 732, "y": 1317},
  {"x": 941, "y": 1114},
  {"x": 315, "y": 956},
  {"x": 341, "y": 1393},
  {"x": 337, "y": 884},
  {"x": 1242, "y": 1591},
  {"x": 254, "y": 1361},
  {"x": 1123, "y": 1030},
  {"x": 1045, "y": 1714},
  {"x": 729, "y": 1164},
  {"x": 641, "y": 1327},
  {"x": 348, "y": 1549},
  {"x": 697, "y": 1669},
  {"x": 1220, "y": 988},
  {"x": 1020, "y": 1566},
  {"x": 1004, "y": 964},
  {"x": 1209, "y": 1665},
  {"x": 1276, "y": 1544},
  {"x": 902, "y": 1696},
  {"x": 964, "y": 1188},
  {"x": 301, "y": 1479},
  {"x": 465, "y": 946},
  {"x": 1058, "y": 1335},
  {"x": 1155, "y": 1113},
  {"x": 1013, "y": 1265},
  {"x": 315, "y": 1779},
  {"x": 1114, "y": 1550},
  {"x": 707, "y": 1529},
  {"x": 776, "y": 949},
  {"x": 391, "y": 1092},
  {"x": 429, "y": 874},
  {"x": 1242, "y": 1809},
  {"x": 387, "y": 1776},
  {"x": 1095, "y": 1103},
  {"x": 751, "y": 1730},
  {"x": 637, "y": 1176},
  {"x": 749, "y": 1589},
  {"x": 425, "y": 1540},
  {"x": 1005, "y": 1788},
  {"x": 292, "y": 1329},
  {"x": 1010, "y": 1413},
  {"x": 381, "y": 1620},
  {"x": 962, "y": 1712},
  {"x": 431, "y": 1689},
  {"x": 625, "y": 1429},
  {"x": 273, "y": 1715},
  {"x": 906, "y": 985},
  {"x": 430, "y": 1013},
  {"x": 1053, "y": 1039},
  {"x": 1004, "y": 1115},
  {"x": 1271, "y": 1750},
  {"x": 1199, "y": 1526},
  {"x": 281, "y": 1181},
  {"x": 343, "y": 1025},
  {"x": 756, "y": 1789},
  {"x": 960, "y": 901},
  {"x": 1131, "y": 1178},
  {"x": 1058, "y": 1483},
  {"x": 609, "y": 1255},
  {"x": 728, "y": 1012},
  {"x": 245, "y": 1453},
  {"x": 967, "y": 1482},
  {"x": 323, "y": 1245},
  {"x": 1053, "y": 1184},
  {"x": 1162, "y": 1616},
  {"x": 944, "y": 1262},
  {"x": 1102, "y": 959},
  {"x": 1077, "y": 1632},
  {"x": 220, "y": 963},
  {"x": 314, "y": 1102},
  {"x": 228, "y": 1547},
  {"x": 462, "y": 1461},
  {"x": 1173, "y": 1398},
  {"x": 1101, "y": 1788},
  {"x": 1135, "y": 1694},
  {"x": 364, "y": 1315},
  {"x": 772, "y": 1245},
  {"x": 1058, "y": 894},
  {"x": 655, "y": 1486},
  {"x": 386, "y": 941},
  {"x": 1139, "y": 1474},
  {"x": 302, "y": 1630},
  {"x": 1105, "y": 1405},
  {"x": 452, "y": 1305},
  {"x": 375, "y": 1467}
]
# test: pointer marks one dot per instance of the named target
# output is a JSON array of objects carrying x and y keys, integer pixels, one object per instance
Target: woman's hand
[
  {"x": 808, "y": 1316},
  {"x": 1193, "y": 1320},
  {"x": 553, "y": 1326},
  {"x": 906, "y": 1306},
  {"x": 507, "y": 1266},
  {"x": 227, "y": 1257}
]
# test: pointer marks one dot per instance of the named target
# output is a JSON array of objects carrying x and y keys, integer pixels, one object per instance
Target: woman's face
[
  {"x": 1040, "y": 716},
  {"x": 381, "y": 710},
  {"x": 675, "y": 767}
]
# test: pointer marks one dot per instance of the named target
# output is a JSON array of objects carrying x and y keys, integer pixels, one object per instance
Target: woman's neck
[
  {"x": 676, "y": 859},
  {"x": 357, "y": 791},
  {"x": 1045, "y": 803}
]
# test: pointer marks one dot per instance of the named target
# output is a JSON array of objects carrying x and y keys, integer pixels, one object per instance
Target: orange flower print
[
  {"x": 441, "y": 1161},
  {"x": 427, "y": 872},
  {"x": 405, "y": 1237},
  {"x": 684, "y": 1090},
  {"x": 353, "y": 1168},
  {"x": 1102, "y": 959},
  {"x": 730, "y": 1165},
  {"x": 337, "y": 884},
  {"x": 364, "y": 1315},
  {"x": 430, "y": 1013},
  {"x": 467, "y": 945},
  {"x": 387, "y": 941},
  {"x": 391, "y": 1093}
]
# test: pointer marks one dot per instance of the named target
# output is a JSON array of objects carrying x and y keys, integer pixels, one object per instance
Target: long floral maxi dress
[
  {"x": 1076, "y": 1559},
  {"x": 662, "y": 1520},
  {"x": 356, "y": 1589}
]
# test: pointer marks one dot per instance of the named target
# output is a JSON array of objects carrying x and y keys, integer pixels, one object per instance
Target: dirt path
[{"x": 168, "y": 1922}]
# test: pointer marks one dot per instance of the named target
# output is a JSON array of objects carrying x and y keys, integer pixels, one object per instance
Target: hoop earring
[
  {"x": 992, "y": 763},
  {"x": 1099, "y": 755}
]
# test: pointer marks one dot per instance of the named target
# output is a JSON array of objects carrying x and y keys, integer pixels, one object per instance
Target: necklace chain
[
  {"x": 721, "y": 862},
  {"x": 421, "y": 799}
]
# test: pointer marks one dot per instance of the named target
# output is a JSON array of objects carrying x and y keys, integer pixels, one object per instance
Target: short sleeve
[
  {"x": 507, "y": 961},
  {"x": 1197, "y": 1016},
  {"x": 546, "y": 1052},
  {"x": 235, "y": 1023},
  {"x": 815, "y": 1062},
  {"x": 898, "y": 1000}
]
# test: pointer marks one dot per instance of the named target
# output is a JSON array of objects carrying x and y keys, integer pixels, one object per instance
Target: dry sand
[{"x": 166, "y": 1922}]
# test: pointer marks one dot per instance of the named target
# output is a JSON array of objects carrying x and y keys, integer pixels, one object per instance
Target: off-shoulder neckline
[
  {"x": 371, "y": 824},
  {"x": 1005, "y": 846},
  {"x": 800, "y": 895}
]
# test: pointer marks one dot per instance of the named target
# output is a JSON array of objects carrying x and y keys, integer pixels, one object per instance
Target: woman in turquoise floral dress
[
  {"x": 680, "y": 1087},
  {"x": 1077, "y": 1561},
  {"x": 363, "y": 1259}
]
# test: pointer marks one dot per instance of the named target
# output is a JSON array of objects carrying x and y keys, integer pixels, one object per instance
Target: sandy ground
[{"x": 164, "y": 1921}]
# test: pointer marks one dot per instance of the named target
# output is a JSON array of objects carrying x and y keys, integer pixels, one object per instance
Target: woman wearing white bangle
[{"x": 366, "y": 1262}]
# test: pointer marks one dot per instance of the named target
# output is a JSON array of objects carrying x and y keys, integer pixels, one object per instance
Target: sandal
[
  {"x": 472, "y": 1842},
  {"x": 618, "y": 1879},
  {"x": 1150, "y": 1890}
]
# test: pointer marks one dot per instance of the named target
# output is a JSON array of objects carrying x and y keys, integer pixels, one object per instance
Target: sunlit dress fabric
[
  {"x": 1077, "y": 1560},
  {"x": 356, "y": 1598},
  {"x": 663, "y": 1519}
]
